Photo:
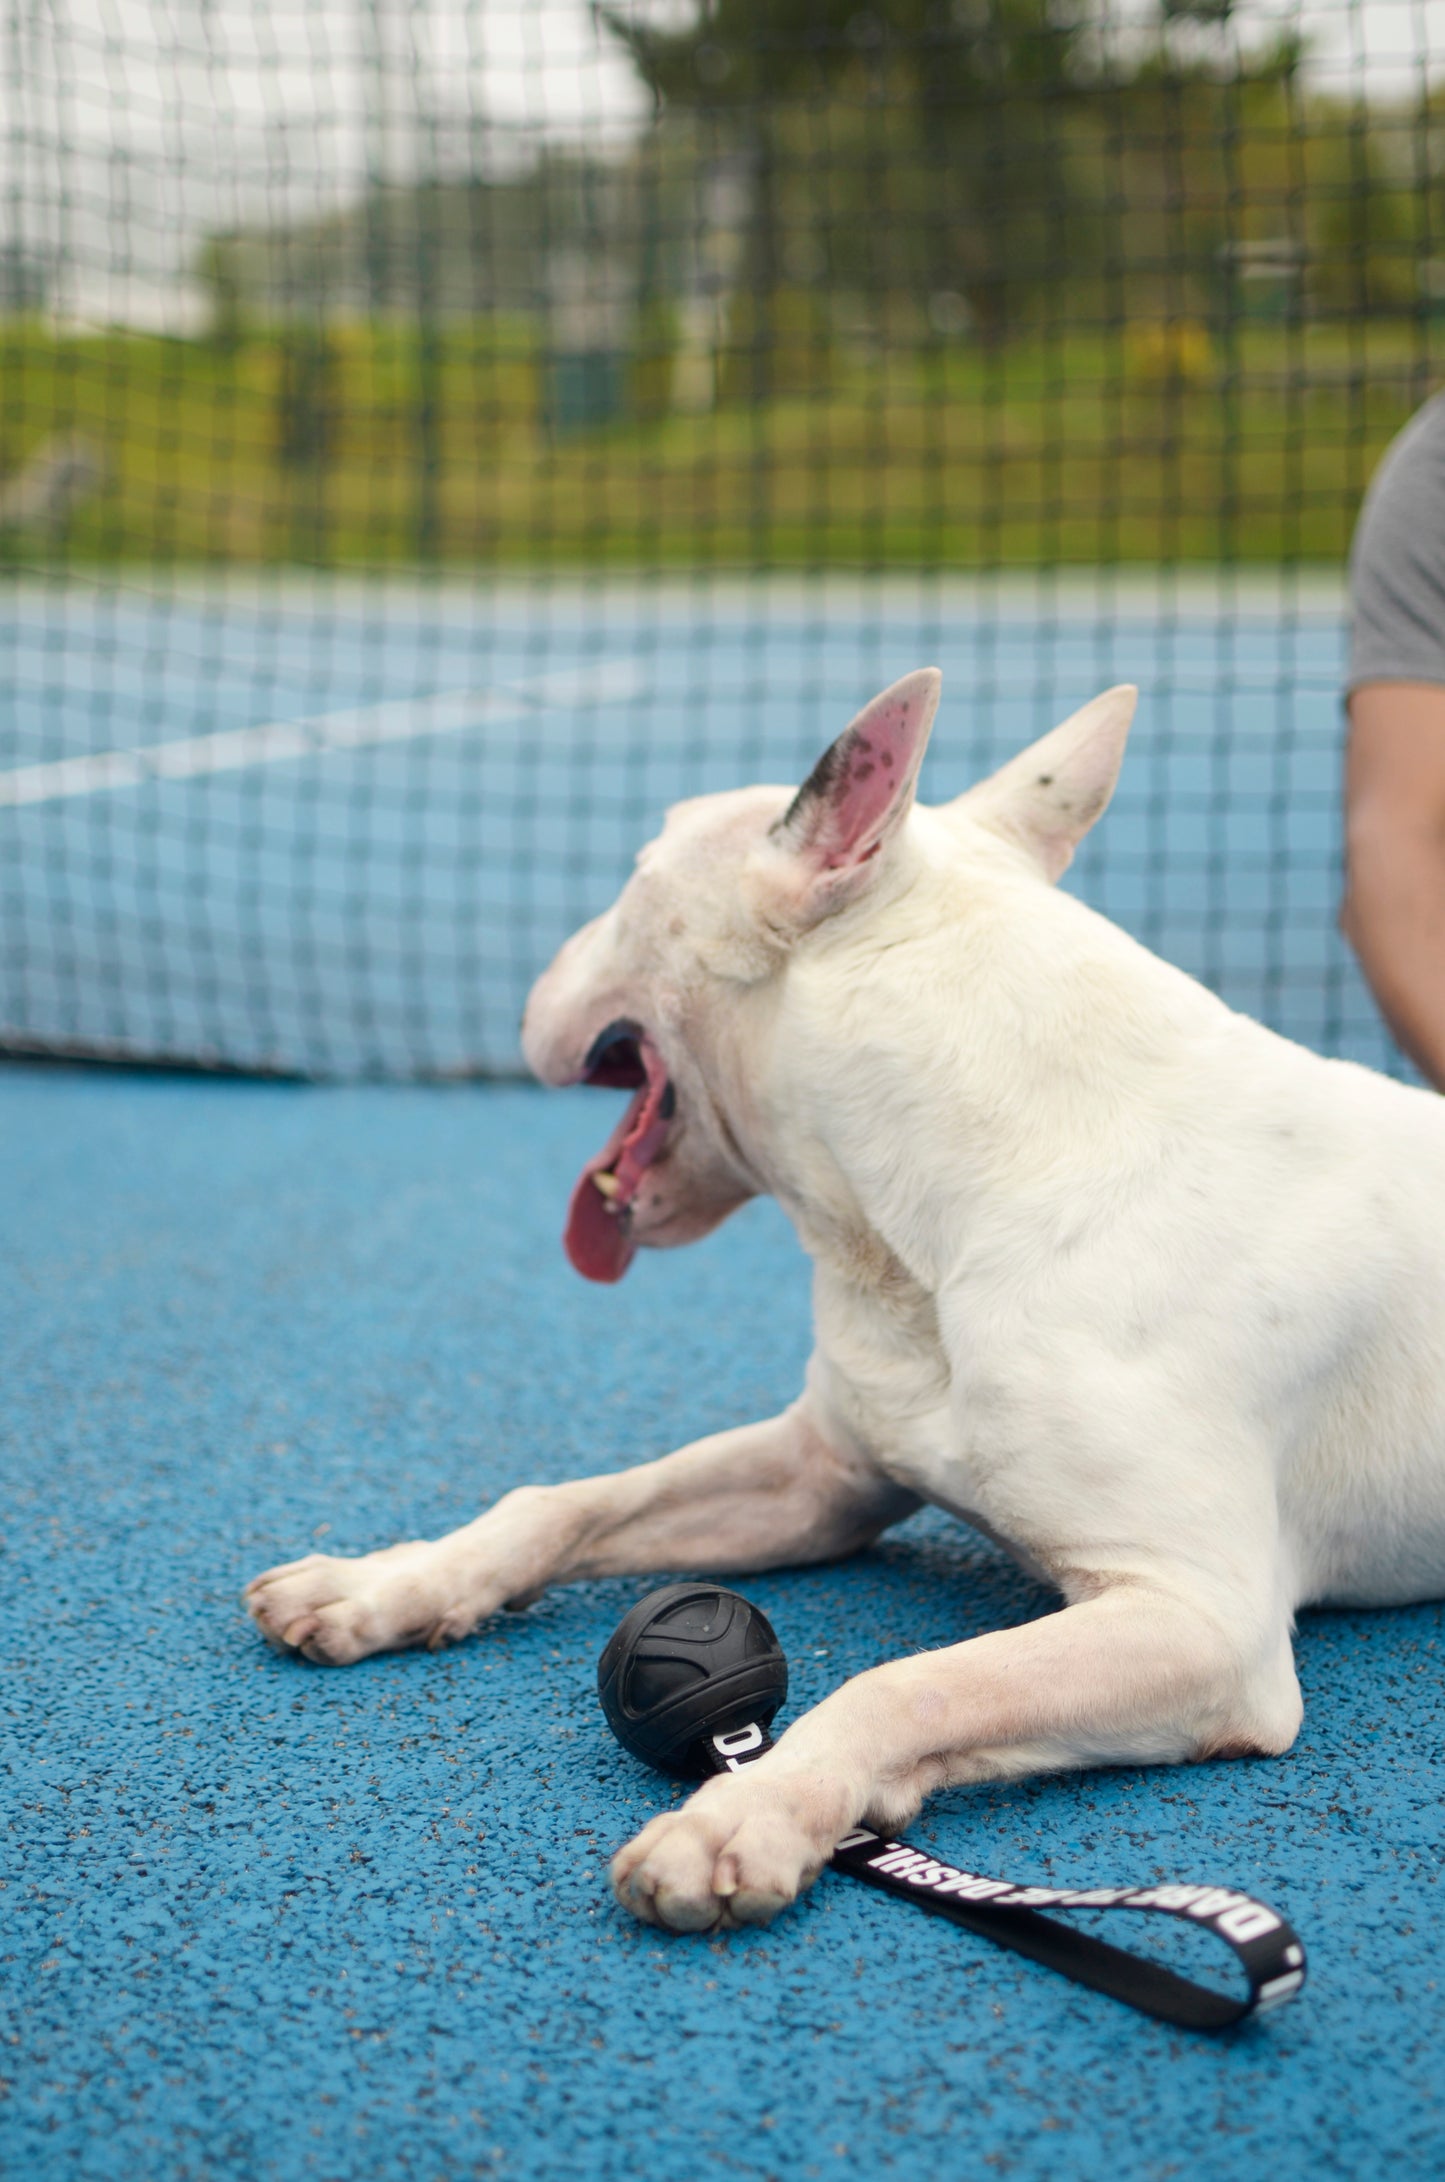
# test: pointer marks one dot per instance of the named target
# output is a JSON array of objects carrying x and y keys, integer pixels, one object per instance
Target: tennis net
[{"x": 435, "y": 436}]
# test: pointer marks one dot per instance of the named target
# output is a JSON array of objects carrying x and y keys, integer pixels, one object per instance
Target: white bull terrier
[{"x": 1136, "y": 1287}]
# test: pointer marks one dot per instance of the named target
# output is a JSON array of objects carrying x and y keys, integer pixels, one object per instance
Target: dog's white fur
[{"x": 1142, "y": 1290}]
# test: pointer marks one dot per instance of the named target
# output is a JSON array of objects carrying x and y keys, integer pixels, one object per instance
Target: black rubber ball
[{"x": 689, "y": 1661}]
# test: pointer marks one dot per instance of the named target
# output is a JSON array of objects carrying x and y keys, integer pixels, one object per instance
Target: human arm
[{"x": 1393, "y": 913}]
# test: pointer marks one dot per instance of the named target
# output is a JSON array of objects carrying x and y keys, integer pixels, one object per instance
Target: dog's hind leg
[
  {"x": 760, "y": 1496},
  {"x": 1134, "y": 1673}
]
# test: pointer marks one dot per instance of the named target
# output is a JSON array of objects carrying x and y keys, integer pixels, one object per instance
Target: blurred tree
[
  {"x": 978, "y": 157},
  {"x": 944, "y": 117},
  {"x": 218, "y": 271},
  {"x": 307, "y": 397},
  {"x": 1371, "y": 225}
]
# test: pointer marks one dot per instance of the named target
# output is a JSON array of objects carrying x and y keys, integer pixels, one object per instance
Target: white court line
[{"x": 399, "y": 719}]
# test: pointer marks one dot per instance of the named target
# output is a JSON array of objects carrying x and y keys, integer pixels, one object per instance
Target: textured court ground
[{"x": 260, "y": 1921}]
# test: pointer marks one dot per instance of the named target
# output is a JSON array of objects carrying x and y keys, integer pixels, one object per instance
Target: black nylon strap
[{"x": 1268, "y": 1949}]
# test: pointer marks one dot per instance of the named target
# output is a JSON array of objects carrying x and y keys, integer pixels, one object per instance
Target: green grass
[{"x": 1074, "y": 449}]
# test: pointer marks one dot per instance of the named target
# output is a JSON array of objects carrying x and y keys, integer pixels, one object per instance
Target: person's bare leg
[{"x": 760, "y": 1496}]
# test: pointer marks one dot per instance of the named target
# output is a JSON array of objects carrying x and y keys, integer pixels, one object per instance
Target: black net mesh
[{"x": 436, "y": 434}]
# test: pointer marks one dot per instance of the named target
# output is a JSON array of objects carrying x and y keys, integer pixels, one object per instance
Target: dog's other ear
[
  {"x": 1050, "y": 794},
  {"x": 854, "y": 800}
]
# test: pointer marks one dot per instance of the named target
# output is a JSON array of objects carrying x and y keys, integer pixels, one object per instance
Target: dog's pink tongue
[
  {"x": 598, "y": 1239},
  {"x": 598, "y": 1235}
]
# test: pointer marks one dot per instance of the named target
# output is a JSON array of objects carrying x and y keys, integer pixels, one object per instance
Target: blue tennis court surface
[
  {"x": 264, "y": 1921},
  {"x": 338, "y": 833}
]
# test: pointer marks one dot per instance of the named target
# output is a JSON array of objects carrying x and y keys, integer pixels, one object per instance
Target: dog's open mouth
[{"x": 599, "y": 1238}]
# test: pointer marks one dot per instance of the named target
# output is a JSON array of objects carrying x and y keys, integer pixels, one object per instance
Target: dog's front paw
[
  {"x": 338, "y": 1611},
  {"x": 737, "y": 1853}
]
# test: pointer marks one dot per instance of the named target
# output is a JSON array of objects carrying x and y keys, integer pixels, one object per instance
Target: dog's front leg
[
  {"x": 1131, "y": 1674},
  {"x": 786, "y": 1490}
]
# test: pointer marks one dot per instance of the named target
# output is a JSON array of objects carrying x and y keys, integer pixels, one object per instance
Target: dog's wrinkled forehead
[
  {"x": 715, "y": 830},
  {"x": 688, "y": 873}
]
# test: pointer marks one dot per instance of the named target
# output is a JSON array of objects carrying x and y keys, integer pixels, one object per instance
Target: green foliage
[
  {"x": 742, "y": 54},
  {"x": 306, "y": 400},
  {"x": 970, "y": 97},
  {"x": 654, "y": 361},
  {"x": 218, "y": 273},
  {"x": 1064, "y": 450},
  {"x": 986, "y": 148},
  {"x": 1369, "y": 229},
  {"x": 777, "y": 344}
]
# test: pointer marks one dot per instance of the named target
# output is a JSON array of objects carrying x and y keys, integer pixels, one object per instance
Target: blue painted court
[{"x": 264, "y": 1921}]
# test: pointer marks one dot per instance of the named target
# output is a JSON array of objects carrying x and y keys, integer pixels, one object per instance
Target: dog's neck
[{"x": 957, "y": 1068}]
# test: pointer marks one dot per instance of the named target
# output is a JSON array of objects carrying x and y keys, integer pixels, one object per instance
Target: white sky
[{"x": 128, "y": 128}]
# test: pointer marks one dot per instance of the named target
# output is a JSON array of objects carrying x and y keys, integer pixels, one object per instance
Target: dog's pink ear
[
  {"x": 1050, "y": 794},
  {"x": 857, "y": 796}
]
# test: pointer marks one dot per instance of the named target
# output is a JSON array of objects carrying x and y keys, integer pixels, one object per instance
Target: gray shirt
[{"x": 1397, "y": 562}]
